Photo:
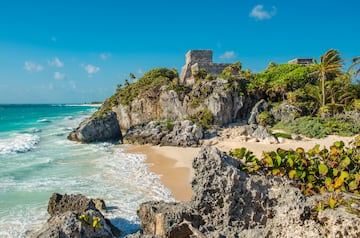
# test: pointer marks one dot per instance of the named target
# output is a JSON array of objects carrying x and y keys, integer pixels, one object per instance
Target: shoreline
[{"x": 172, "y": 164}]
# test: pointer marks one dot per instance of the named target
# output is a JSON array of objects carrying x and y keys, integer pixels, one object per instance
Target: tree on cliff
[
  {"x": 355, "y": 63},
  {"x": 132, "y": 76},
  {"x": 328, "y": 68}
]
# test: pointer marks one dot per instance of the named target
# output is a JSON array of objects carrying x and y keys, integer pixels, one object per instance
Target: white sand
[{"x": 257, "y": 148}]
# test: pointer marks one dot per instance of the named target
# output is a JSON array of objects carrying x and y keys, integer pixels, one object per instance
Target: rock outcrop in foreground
[
  {"x": 228, "y": 202},
  {"x": 100, "y": 128},
  {"x": 74, "y": 216}
]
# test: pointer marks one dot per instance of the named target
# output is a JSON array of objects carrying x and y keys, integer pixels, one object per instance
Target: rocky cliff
[
  {"x": 159, "y": 96},
  {"x": 216, "y": 96},
  {"x": 228, "y": 202}
]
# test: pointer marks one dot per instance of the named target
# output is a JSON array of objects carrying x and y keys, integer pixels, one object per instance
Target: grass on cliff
[{"x": 148, "y": 86}]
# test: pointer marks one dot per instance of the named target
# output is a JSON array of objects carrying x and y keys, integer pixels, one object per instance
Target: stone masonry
[
  {"x": 301, "y": 61},
  {"x": 196, "y": 60}
]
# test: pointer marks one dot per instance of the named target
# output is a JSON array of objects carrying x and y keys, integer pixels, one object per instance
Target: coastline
[{"x": 172, "y": 164}]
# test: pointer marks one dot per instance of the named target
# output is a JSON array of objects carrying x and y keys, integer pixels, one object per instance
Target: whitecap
[
  {"x": 33, "y": 130},
  {"x": 44, "y": 120},
  {"x": 19, "y": 143}
]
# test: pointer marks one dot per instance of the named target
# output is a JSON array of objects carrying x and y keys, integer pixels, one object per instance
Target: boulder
[
  {"x": 76, "y": 216},
  {"x": 262, "y": 134},
  {"x": 97, "y": 128},
  {"x": 228, "y": 202},
  {"x": 59, "y": 203}
]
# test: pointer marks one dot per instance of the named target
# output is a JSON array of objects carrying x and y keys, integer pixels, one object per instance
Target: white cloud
[
  {"x": 105, "y": 56},
  {"x": 91, "y": 69},
  {"x": 33, "y": 67},
  {"x": 56, "y": 62},
  {"x": 228, "y": 55},
  {"x": 139, "y": 71},
  {"x": 259, "y": 13},
  {"x": 59, "y": 76}
]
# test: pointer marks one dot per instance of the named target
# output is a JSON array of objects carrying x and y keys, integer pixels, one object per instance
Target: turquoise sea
[{"x": 36, "y": 159}]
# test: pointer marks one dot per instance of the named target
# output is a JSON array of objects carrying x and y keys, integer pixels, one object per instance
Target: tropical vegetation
[{"x": 324, "y": 97}]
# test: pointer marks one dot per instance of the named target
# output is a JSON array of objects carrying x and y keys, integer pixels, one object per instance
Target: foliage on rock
[
  {"x": 275, "y": 81},
  {"x": 317, "y": 170},
  {"x": 148, "y": 86},
  {"x": 205, "y": 118},
  {"x": 265, "y": 118},
  {"x": 315, "y": 127}
]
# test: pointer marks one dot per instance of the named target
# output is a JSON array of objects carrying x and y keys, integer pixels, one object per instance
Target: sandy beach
[{"x": 174, "y": 164}]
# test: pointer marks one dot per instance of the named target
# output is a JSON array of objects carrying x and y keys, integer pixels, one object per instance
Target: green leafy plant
[
  {"x": 336, "y": 169},
  {"x": 265, "y": 118},
  {"x": 315, "y": 127},
  {"x": 204, "y": 118}
]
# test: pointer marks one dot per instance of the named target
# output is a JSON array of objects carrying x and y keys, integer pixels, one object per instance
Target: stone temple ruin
[
  {"x": 196, "y": 60},
  {"x": 302, "y": 61}
]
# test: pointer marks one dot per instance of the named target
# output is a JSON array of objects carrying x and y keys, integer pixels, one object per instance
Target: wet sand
[{"x": 173, "y": 164}]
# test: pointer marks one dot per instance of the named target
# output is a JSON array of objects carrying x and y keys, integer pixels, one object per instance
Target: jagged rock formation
[
  {"x": 228, "y": 202},
  {"x": 100, "y": 128},
  {"x": 66, "y": 222},
  {"x": 225, "y": 105},
  {"x": 178, "y": 133}
]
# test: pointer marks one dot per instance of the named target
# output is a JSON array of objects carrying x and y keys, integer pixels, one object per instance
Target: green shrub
[
  {"x": 205, "y": 118},
  {"x": 169, "y": 125},
  {"x": 283, "y": 135},
  {"x": 195, "y": 102},
  {"x": 336, "y": 169},
  {"x": 265, "y": 118},
  {"x": 315, "y": 127}
]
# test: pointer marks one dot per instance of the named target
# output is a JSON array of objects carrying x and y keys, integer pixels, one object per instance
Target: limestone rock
[
  {"x": 59, "y": 203},
  {"x": 262, "y": 134},
  {"x": 98, "y": 128},
  {"x": 68, "y": 225},
  {"x": 228, "y": 202},
  {"x": 285, "y": 112},
  {"x": 66, "y": 222},
  {"x": 259, "y": 107},
  {"x": 177, "y": 133}
]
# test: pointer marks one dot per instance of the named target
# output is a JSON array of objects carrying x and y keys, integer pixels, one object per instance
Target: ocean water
[{"x": 36, "y": 159}]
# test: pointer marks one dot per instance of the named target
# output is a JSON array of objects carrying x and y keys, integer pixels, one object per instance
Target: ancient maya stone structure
[
  {"x": 302, "y": 61},
  {"x": 196, "y": 60}
]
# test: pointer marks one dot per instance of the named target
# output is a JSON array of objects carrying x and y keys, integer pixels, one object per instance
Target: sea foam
[{"x": 19, "y": 143}]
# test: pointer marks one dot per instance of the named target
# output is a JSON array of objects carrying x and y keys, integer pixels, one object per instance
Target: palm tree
[
  {"x": 355, "y": 62},
  {"x": 329, "y": 66}
]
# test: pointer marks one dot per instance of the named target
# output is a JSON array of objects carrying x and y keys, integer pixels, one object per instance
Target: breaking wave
[{"x": 19, "y": 143}]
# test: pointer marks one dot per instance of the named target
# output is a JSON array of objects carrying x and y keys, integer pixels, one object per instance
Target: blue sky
[{"x": 74, "y": 51}]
